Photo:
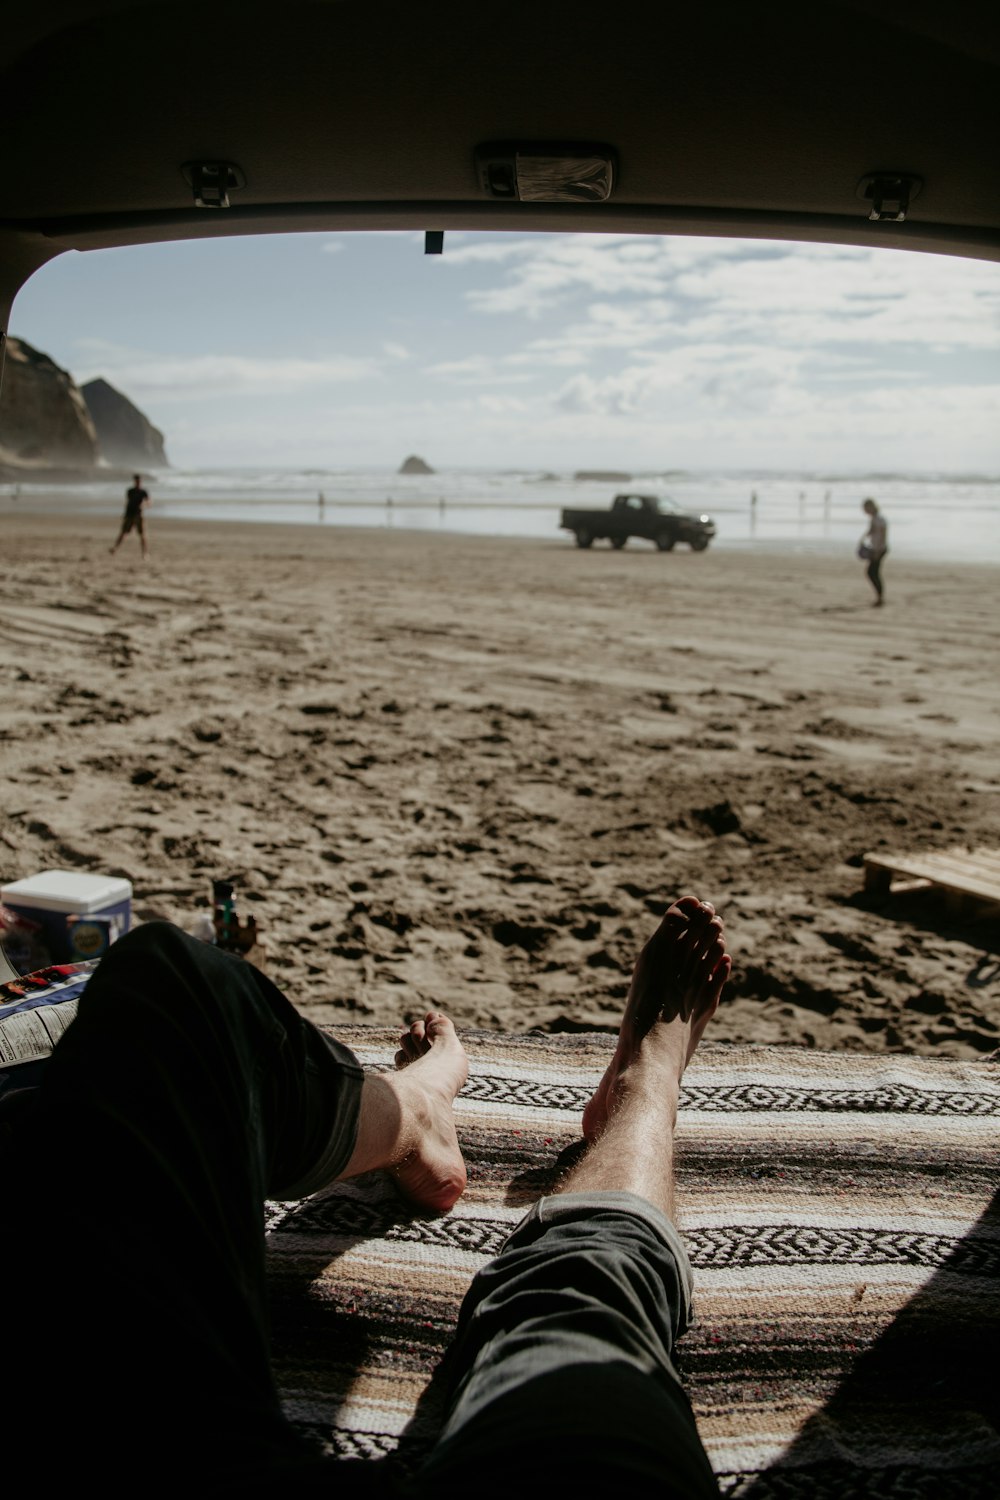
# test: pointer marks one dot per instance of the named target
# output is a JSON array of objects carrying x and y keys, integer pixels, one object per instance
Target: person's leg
[
  {"x": 563, "y": 1360},
  {"x": 187, "y": 1090},
  {"x": 874, "y": 571}
]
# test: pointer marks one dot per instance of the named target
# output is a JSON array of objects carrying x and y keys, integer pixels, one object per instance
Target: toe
[
  {"x": 717, "y": 981},
  {"x": 438, "y": 1026},
  {"x": 699, "y": 958},
  {"x": 682, "y": 910},
  {"x": 412, "y": 1043},
  {"x": 417, "y": 1031},
  {"x": 700, "y": 937}
]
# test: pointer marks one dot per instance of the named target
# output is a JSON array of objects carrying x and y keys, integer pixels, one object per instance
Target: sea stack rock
[
  {"x": 44, "y": 421},
  {"x": 415, "y": 465},
  {"x": 126, "y": 437}
]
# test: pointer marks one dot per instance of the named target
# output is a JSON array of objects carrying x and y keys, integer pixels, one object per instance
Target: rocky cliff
[
  {"x": 415, "y": 465},
  {"x": 125, "y": 436},
  {"x": 44, "y": 421}
]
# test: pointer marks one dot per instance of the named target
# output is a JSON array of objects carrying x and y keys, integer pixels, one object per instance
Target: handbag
[{"x": 865, "y": 552}]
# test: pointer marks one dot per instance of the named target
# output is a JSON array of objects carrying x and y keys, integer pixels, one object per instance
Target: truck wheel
[
  {"x": 618, "y": 542},
  {"x": 665, "y": 540},
  {"x": 699, "y": 544},
  {"x": 583, "y": 537}
]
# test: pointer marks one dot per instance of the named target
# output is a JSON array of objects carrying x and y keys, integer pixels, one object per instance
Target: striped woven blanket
[{"x": 842, "y": 1216}]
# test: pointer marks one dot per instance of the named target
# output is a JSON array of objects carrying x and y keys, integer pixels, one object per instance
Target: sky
[{"x": 532, "y": 351}]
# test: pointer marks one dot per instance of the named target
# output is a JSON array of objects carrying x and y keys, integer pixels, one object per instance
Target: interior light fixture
[{"x": 540, "y": 172}]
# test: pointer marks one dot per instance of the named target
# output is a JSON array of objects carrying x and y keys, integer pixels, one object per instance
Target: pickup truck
[{"x": 656, "y": 518}]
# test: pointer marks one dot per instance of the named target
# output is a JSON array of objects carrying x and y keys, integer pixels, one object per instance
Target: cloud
[
  {"x": 543, "y": 271},
  {"x": 614, "y": 395},
  {"x": 833, "y": 295},
  {"x": 642, "y": 288},
  {"x": 145, "y": 375},
  {"x": 547, "y": 354},
  {"x": 482, "y": 369},
  {"x": 501, "y": 405},
  {"x": 710, "y": 378}
]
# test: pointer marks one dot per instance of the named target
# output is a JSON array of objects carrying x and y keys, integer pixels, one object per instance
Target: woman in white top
[{"x": 873, "y": 547}]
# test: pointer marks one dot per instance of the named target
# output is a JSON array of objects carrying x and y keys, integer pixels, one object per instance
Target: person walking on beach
[
  {"x": 136, "y": 500},
  {"x": 188, "y": 1090},
  {"x": 873, "y": 547}
]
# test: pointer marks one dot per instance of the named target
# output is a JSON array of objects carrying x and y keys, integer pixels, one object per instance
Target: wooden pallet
[{"x": 962, "y": 874}]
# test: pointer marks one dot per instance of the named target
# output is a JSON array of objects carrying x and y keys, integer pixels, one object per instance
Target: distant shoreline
[
  {"x": 244, "y": 532},
  {"x": 928, "y": 518}
]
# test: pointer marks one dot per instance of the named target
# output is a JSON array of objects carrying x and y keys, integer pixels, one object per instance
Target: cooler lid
[{"x": 67, "y": 890}]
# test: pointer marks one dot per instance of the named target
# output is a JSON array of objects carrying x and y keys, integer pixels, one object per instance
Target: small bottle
[{"x": 224, "y": 916}]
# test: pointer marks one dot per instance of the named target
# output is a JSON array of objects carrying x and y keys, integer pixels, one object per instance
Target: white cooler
[{"x": 102, "y": 903}]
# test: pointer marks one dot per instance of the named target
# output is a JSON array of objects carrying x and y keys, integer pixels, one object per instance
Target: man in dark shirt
[{"x": 136, "y": 499}]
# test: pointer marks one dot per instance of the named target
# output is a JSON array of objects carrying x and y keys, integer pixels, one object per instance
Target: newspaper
[
  {"x": 36, "y": 1009},
  {"x": 29, "y": 1035}
]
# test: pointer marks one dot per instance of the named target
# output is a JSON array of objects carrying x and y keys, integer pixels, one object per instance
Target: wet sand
[{"x": 468, "y": 772}]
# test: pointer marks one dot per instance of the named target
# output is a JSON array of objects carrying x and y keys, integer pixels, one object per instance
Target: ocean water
[{"x": 948, "y": 517}]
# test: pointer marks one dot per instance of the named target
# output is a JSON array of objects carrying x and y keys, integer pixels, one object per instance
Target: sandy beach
[{"x": 471, "y": 772}]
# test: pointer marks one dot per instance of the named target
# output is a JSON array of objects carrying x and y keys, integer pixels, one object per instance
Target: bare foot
[
  {"x": 433, "y": 1069},
  {"x": 675, "y": 991}
]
